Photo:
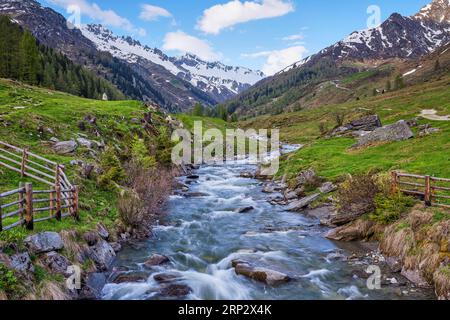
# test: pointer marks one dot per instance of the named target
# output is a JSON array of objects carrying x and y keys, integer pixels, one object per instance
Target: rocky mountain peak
[{"x": 437, "y": 11}]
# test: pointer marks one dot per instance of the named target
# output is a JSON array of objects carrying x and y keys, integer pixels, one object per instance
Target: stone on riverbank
[
  {"x": 300, "y": 205},
  {"x": 44, "y": 242}
]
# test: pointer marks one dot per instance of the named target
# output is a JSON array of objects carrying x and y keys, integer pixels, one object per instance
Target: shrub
[
  {"x": 113, "y": 173},
  {"x": 356, "y": 195},
  {"x": 131, "y": 209},
  {"x": 150, "y": 190},
  {"x": 141, "y": 154},
  {"x": 9, "y": 283},
  {"x": 390, "y": 208},
  {"x": 322, "y": 129},
  {"x": 339, "y": 118}
]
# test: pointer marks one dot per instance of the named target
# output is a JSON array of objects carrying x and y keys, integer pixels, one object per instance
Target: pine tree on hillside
[
  {"x": 29, "y": 59},
  {"x": 22, "y": 58}
]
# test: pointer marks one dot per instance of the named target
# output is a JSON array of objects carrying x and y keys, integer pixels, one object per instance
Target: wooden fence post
[
  {"x": 427, "y": 191},
  {"x": 52, "y": 203},
  {"x": 1, "y": 225},
  {"x": 29, "y": 206},
  {"x": 58, "y": 202},
  {"x": 57, "y": 176},
  {"x": 24, "y": 162},
  {"x": 76, "y": 213},
  {"x": 21, "y": 200},
  {"x": 394, "y": 182}
]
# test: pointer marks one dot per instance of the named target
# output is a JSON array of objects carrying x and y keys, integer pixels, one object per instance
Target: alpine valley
[{"x": 140, "y": 72}]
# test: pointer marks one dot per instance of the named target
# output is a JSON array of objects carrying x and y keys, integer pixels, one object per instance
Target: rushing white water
[{"x": 202, "y": 236}]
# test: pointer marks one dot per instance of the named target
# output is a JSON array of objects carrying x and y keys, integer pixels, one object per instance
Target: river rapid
[{"x": 202, "y": 235}]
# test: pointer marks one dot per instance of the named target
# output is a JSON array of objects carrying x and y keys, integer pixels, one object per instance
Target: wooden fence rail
[
  {"x": 28, "y": 206},
  {"x": 434, "y": 191},
  {"x": 62, "y": 198}
]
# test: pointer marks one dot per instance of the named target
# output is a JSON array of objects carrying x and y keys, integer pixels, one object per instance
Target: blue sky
[{"x": 260, "y": 34}]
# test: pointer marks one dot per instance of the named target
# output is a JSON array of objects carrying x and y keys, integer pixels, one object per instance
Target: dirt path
[{"x": 431, "y": 114}]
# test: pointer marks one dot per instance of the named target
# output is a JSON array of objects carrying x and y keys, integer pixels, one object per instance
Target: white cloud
[
  {"x": 105, "y": 17},
  {"x": 223, "y": 16},
  {"x": 152, "y": 13},
  {"x": 185, "y": 43},
  {"x": 293, "y": 37},
  {"x": 277, "y": 60}
]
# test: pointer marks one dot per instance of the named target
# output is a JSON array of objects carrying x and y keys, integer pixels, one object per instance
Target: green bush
[
  {"x": 113, "y": 172},
  {"x": 141, "y": 154},
  {"x": 9, "y": 283},
  {"x": 390, "y": 208}
]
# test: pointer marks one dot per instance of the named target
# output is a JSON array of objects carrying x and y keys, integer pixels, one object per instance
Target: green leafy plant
[{"x": 390, "y": 208}]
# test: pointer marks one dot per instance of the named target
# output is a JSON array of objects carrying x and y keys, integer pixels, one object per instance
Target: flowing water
[{"x": 202, "y": 236}]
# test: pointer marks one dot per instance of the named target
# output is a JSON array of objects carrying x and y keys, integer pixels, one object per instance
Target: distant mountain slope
[
  {"x": 397, "y": 39},
  {"x": 218, "y": 80},
  {"x": 139, "y": 72},
  {"x": 21, "y": 58}
]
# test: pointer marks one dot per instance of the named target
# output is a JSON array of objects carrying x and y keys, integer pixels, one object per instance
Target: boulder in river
[
  {"x": 44, "y": 242},
  {"x": 268, "y": 276},
  {"x": 195, "y": 194},
  {"x": 299, "y": 205},
  {"x": 156, "y": 260},
  {"x": 102, "y": 254},
  {"x": 395, "y": 132},
  {"x": 175, "y": 290},
  {"x": 244, "y": 209},
  {"x": 167, "y": 277},
  {"x": 130, "y": 277}
]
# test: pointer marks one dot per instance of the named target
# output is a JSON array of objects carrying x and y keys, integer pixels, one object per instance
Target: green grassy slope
[
  {"x": 332, "y": 158},
  {"x": 58, "y": 115}
]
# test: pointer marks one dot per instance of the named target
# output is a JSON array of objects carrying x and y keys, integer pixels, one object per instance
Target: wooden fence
[
  {"x": 27, "y": 206},
  {"x": 434, "y": 191}
]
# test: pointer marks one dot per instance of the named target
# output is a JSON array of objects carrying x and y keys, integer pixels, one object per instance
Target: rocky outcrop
[
  {"x": 44, "y": 242},
  {"x": 396, "y": 132},
  {"x": 244, "y": 209},
  {"x": 65, "y": 147},
  {"x": 270, "y": 277},
  {"x": 174, "y": 290},
  {"x": 362, "y": 125}
]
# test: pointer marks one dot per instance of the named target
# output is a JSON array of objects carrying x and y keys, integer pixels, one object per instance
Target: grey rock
[
  {"x": 65, "y": 147},
  {"x": 102, "y": 231},
  {"x": 396, "y": 132},
  {"x": 306, "y": 176},
  {"x": 368, "y": 123},
  {"x": 95, "y": 283},
  {"x": 195, "y": 194},
  {"x": 116, "y": 246},
  {"x": 44, "y": 242},
  {"x": 22, "y": 262},
  {"x": 415, "y": 277},
  {"x": 54, "y": 139},
  {"x": 85, "y": 142},
  {"x": 327, "y": 187},
  {"x": 301, "y": 204},
  {"x": 57, "y": 263},
  {"x": 102, "y": 254}
]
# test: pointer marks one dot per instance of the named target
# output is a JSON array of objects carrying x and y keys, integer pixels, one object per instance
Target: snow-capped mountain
[
  {"x": 437, "y": 11},
  {"x": 214, "y": 78},
  {"x": 397, "y": 37}
]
